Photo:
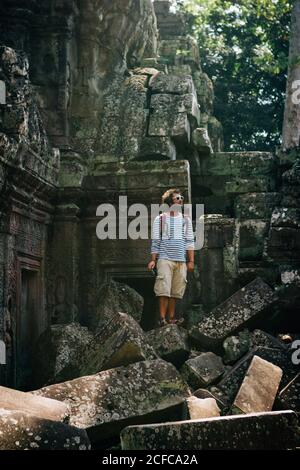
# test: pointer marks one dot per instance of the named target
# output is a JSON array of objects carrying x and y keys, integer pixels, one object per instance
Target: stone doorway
[
  {"x": 143, "y": 283},
  {"x": 28, "y": 327}
]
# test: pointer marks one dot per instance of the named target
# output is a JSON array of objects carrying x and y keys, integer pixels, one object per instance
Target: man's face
[{"x": 177, "y": 199}]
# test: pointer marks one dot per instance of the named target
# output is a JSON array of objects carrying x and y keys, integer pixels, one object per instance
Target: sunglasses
[{"x": 179, "y": 198}]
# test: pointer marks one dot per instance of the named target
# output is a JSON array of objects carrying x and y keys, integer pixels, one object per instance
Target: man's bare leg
[
  {"x": 171, "y": 308},
  {"x": 163, "y": 306}
]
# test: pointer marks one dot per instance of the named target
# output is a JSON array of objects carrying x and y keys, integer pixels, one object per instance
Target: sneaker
[
  {"x": 163, "y": 322},
  {"x": 176, "y": 321}
]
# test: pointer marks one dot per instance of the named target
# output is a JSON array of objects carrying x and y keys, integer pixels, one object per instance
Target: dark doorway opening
[
  {"x": 28, "y": 326},
  {"x": 144, "y": 286}
]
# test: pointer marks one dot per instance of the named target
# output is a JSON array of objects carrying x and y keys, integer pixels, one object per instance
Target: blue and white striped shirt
[{"x": 175, "y": 239}]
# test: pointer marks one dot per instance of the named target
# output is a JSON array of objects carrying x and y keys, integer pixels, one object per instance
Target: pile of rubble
[{"x": 222, "y": 384}]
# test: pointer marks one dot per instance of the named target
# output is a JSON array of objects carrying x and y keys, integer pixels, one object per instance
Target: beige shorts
[{"x": 171, "y": 279}]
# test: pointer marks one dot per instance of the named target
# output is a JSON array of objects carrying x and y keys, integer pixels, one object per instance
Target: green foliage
[{"x": 244, "y": 49}]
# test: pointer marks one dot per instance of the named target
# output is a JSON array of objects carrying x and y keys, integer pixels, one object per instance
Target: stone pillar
[{"x": 63, "y": 272}]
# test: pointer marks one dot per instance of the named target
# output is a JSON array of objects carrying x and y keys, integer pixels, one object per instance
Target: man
[{"x": 172, "y": 251}]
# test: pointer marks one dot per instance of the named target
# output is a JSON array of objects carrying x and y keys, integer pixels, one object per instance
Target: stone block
[
  {"x": 259, "y": 388},
  {"x": 242, "y": 310},
  {"x": 23, "y": 431},
  {"x": 252, "y": 235},
  {"x": 170, "y": 343},
  {"x": 180, "y": 85},
  {"x": 202, "y": 370},
  {"x": 256, "y": 205},
  {"x": 105, "y": 403},
  {"x": 156, "y": 148},
  {"x": 200, "y": 408},
  {"x": 201, "y": 141},
  {"x": 41, "y": 407},
  {"x": 257, "y": 431},
  {"x": 231, "y": 381}
]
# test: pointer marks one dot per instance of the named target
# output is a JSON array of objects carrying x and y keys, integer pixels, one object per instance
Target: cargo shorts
[{"x": 171, "y": 279}]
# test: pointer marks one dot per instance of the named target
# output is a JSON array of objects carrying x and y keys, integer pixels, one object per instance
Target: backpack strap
[{"x": 162, "y": 224}]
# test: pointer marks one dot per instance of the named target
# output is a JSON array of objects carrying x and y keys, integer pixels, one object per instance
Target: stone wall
[{"x": 107, "y": 99}]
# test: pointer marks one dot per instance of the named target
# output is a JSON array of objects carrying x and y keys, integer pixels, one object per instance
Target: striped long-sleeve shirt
[{"x": 175, "y": 239}]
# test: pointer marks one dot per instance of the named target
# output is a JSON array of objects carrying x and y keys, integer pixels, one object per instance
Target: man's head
[{"x": 172, "y": 196}]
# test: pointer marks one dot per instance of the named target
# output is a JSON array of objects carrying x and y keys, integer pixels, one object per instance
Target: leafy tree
[{"x": 244, "y": 49}]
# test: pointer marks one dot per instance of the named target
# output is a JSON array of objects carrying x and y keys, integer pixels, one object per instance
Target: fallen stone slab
[
  {"x": 199, "y": 408},
  {"x": 58, "y": 353},
  {"x": 114, "y": 297},
  {"x": 202, "y": 370},
  {"x": 259, "y": 388},
  {"x": 120, "y": 341},
  {"x": 170, "y": 343},
  {"x": 230, "y": 383},
  {"x": 105, "y": 403},
  {"x": 41, "y": 407},
  {"x": 23, "y": 431},
  {"x": 265, "y": 431},
  {"x": 289, "y": 396},
  {"x": 242, "y": 310},
  {"x": 65, "y": 352}
]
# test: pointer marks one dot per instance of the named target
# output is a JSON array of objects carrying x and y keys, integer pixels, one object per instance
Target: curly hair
[{"x": 167, "y": 197}]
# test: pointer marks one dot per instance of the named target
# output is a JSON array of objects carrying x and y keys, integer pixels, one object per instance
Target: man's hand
[
  {"x": 190, "y": 266},
  {"x": 151, "y": 265}
]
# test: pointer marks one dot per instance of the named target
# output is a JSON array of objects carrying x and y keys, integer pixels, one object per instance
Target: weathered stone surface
[
  {"x": 170, "y": 343},
  {"x": 124, "y": 119},
  {"x": 157, "y": 148},
  {"x": 252, "y": 237},
  {"x": 285, "y": 217},
  {"x": 164, "y": 106},
  {"x": 201, "y": 141},
  {"x": 165, "y": 122},
  {"x": 256, "y": 205},
  {"x": 105, "y": 403},
  {"x": 240, "y": 311},
  {"x": 259, "y": 387},
  {"x": 248, "y": 185},
  {"x": 58, "y": 353},
  {"x": 120, "y": 341},
  {"x": 236, "y": 346},
  {"x": 202, "y": 370},
  {"x": 261, "y": 338},
  {"x": 231, "y": 382},
  {"x": 289, "y": 396},
  {"x": 180, "y": 85},
  {"x": 200, "y": 408},
  {"x": 65, "y": 352},
  {"x": 284, "y": 243},
  {"x": 23, "y": 431},
  {"x": 114, "y": 297},
  {"x": 240, "y": 164},
  {"x": 273, "y": 430},
  {"x": 43, "y": 408}
]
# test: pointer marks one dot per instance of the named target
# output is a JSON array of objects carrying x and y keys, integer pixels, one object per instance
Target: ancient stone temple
[{"x": 105, "y": 99}]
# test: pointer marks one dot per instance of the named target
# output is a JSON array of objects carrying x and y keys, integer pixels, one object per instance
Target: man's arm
[
  {"x": 189, "y": 243},
  {"x": 155, "y": 242}
]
